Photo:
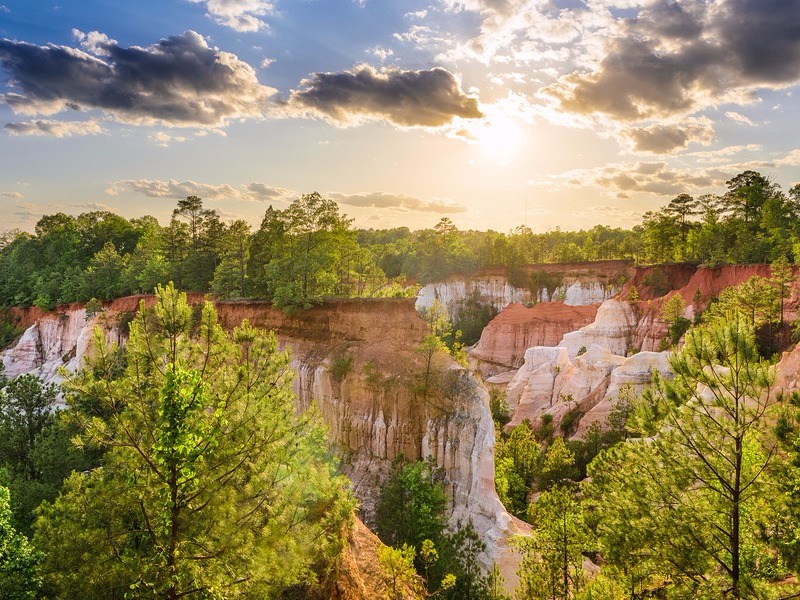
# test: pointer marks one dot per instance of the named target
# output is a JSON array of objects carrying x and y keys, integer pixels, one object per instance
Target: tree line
[{"x": 310, "y": 250}]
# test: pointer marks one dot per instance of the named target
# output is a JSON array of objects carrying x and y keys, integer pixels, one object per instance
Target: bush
[
  {"x": 340, "y": 367},
  {"x": 501, "y": 413}
]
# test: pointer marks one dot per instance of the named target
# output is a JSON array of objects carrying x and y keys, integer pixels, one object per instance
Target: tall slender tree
[{"x": 683, "y": 505}]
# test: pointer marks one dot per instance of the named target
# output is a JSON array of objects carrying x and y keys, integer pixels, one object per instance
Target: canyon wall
[
  {"x": 618, "y": 343},
  {"x": 574, "y": 284},
  {"x": 356, "y": 360},
  {"x": 505, "y": 339}
]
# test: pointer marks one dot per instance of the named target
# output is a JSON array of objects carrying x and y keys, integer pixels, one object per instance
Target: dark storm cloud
[
  {"x": 670, "y": 19},
  {"x": 428, "y": 98},
  {"x": 177, "y": 81},
  {"x": 727, "y": 47}
]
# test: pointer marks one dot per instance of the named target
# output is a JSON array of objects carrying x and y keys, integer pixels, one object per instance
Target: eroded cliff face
[
  {"x": 506, "y": 338},
  {"x": 356, "y": 360},
  {"x": 574, "y": 284},
  {"x": 623, "y": 343}
]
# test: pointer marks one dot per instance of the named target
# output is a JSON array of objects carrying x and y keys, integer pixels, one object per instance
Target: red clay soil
[
  {"x": 360, "y": 576},
  {"x": 655, "y": 281},
  {"x": 517, "y": 328},
  {"x": 688, "y": 278},
  {"x": 711, "y": 282},
  {"x": 392, "y": 320}
]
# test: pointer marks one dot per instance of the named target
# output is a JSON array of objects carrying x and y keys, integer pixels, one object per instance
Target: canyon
[{"x": 357, "y": 360}]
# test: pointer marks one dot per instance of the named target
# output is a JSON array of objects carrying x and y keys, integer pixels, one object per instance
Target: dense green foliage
[
  {"x": 297, "y": 256},
  {"x": 690, "y": 504},
  {"x": 309, "y": 250},
  {"x": 410, "y": 516},
  {"x": 36, "y": 454},
  {"x": 212, "y": 485},
  {"x": 19, "y": 562},
  {"x": 753, "y": 221}
]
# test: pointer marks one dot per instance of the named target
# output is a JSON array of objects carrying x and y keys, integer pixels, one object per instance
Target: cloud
[
  {"x": 429, "y": 98},
  {"x": 739, "y": 118},
  {"x": 93, "y": 42},
  {"x": 164, "y": 139},
  {"x": 241, "y": 15},
  {"x": 380, "y": 52},
  {"x": 792, "y": 159},
  {"x": 176, "y": 189},
  {"x": 722, "y": 155},
  {"x": 677, "y": 58},
  {"x": 93, "y": 206},
  {"x": 395, "y": 201},
  {"x": 15, "y": 195},
  {"x": 531, "y": 31},
  {"x": 657, "y": 178},
  {"x": 418, "y": 14},
  {"x": 57, "y": 129},
  {"x": 262, "y": 192},
  {"x": 179, "y": 81},
  {"x": 662, "y": 139}
]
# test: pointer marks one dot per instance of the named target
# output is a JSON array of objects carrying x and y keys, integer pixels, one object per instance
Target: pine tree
[
  {"x": 212, "y": 484},
  {"x": 684, "y": 504}
]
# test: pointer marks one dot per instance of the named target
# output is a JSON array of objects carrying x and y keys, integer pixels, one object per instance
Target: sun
[{"x": 499, "y": 137}]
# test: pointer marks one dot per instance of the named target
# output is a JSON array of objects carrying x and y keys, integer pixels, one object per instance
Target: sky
[{"x": 493, "y": 113}]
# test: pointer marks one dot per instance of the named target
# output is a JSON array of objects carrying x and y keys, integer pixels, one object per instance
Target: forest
[
  {"x": 183, "y": 469},
  {"x": 310, "y": 250}
]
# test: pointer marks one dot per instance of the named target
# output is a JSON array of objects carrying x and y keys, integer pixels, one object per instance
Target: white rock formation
[
  {"x": 581, "y": 293},
  {"x": 551, "y": 383},
  {"x": 612, "y": 328},
  {"x": 461, "y": 443},
  {"x": 636, "y": 372},
  {"x": 493, "y": 290},
  {"x": 555, "y": 380},
  {"x": 496, "y": 291},
  {"x": 53, "y": 342}
]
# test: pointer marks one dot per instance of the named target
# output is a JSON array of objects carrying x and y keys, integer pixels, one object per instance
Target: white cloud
[
  {"x": 241, "y": 15},
  {"x": 94, "y": 42},
  {"x": 380, "y": 52},
  {"x": 739, "y": 118},
  {"x": 173, "y": 188},
  {"x": 164, "y": 139},
  {"x": 396, "y": 201}
]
